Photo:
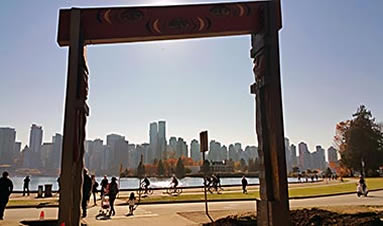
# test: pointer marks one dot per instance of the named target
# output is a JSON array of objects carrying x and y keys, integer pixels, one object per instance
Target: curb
[{"x": 198, "y": 201}]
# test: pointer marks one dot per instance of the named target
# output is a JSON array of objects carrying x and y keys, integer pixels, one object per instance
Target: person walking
[
  {"x": 131, "y": 202},
  {"x": 244, "y": 184},
  {"x": 94, "y": 189},
  {"x": 113, "y": 191},
  {"x": 6, "y": 188},
  {"x": 86, "y": 190},
  {"x": 26, "y": 185},
  {"x": 104, "y": 184}
]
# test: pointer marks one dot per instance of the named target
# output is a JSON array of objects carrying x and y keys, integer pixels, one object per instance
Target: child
[{"x": 131, "y": 202}]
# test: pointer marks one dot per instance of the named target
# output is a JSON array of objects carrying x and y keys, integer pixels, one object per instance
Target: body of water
[{"x": 132, "y": 183}]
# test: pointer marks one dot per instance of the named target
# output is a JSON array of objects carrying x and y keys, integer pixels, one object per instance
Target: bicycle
[
  {"x": 173, "y": 191},
  {"x": 141, "y": 190},
  {"x": 219, "y": 189}
]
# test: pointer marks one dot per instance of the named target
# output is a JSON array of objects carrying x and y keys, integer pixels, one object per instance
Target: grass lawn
[
  {"x": 298, "y": 191},
  {"x": 309, "y": 190}
]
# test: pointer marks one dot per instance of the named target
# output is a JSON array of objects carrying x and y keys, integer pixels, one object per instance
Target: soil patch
[{"x": 312, "y": 217}]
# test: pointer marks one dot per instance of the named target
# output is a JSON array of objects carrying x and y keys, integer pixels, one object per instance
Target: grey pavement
[{"x": 187, "y": 213}]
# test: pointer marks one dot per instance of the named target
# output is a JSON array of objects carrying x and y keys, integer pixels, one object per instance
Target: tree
[
  {"x": 180, "y": 169},
  {"x": 243, "y": 165},
  {"x": 140, "y": 169},
  {"x": 160, "y": 168},
  {"x": 252, "y": 167},
  {"x": 360, "y": 140}
]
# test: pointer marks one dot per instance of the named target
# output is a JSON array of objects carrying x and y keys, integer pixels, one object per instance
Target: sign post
[{"x": 203, "y": 148}]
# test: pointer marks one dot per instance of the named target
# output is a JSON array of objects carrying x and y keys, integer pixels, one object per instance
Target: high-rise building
[
  {"x": 27, "y": 157},
  {"x": 181, "y": 148},
  {"x": 7, "y": 145},
  {"x": 319, "y": 161},
  {"x": 153, "y": 142},
  {"x": 233, "y": 154},
  {"x": 214, "y": 149},
  {"x": 293, "y": 155},
  {"x": 195, "y": 150},
  {"x": 304, "y": 156},
  {"x": 35, "y": 141},
  {"x": 57, "y": 141},
  {"x": 161, "y": 154},
  {"x": 119, "y": 153},
  {"x": 332, "y": 154},
  {"x": 95, "y": 152},
  {"x": 251, "y": 152},
  {"x": 46, "y": 153},
  {"x": 287, "y": 154}
]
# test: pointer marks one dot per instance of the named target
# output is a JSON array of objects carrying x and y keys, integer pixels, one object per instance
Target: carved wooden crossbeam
[{"x": 129, "y": 24}]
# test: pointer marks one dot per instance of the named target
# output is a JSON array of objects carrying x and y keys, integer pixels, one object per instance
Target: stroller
[{"x": 104, "y": 212}]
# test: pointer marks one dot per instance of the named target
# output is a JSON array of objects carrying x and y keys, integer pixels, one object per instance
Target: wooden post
[
  {"x": 273, "y": 208},
  {"x": 76, "y": 110}
]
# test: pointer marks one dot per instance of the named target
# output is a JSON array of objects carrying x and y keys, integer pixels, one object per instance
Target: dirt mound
[
  {"x": 323, "y": 217},
  {"x": 312, "y": 217}
]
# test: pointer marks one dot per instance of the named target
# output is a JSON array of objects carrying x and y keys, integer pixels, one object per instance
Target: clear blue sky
[{"x": 331, "y": 60}]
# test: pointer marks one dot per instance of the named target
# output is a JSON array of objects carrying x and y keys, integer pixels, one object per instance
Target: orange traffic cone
[{"x": 42, "y": 215}]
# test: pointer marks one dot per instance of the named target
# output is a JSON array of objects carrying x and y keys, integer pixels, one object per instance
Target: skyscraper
[
  {"x": 304, "y": 156},
  {"x": 153, "y": 142},
  {"x": 7, "y": 145},
  {"x": 287, "y": 154},
  {"x": 293, "y": 155},
  {"x": 161, "y": 140},
  {"x": 194, "y": 150},
  {"x": 57, "y": 141},
  {"x": 319, "y": 160},
  {"x": 35, "y": 140},
  {"x": 332, "y": 154},
  {"x": 118, "y": 153}
]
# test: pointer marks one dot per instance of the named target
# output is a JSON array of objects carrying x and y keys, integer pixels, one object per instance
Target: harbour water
[{"x": 132, "y": 183}]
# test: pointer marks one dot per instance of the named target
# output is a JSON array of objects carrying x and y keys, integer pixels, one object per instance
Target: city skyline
[
  {"x": 196, "y": 84},
  {"x": 36, "y": 145}
]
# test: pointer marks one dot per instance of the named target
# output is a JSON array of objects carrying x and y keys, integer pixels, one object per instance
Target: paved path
[{"x": 186, "y": 214}]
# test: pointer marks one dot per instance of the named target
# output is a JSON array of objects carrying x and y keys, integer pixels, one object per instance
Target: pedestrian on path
[
  {"x": 26, "y": 185},
  {"x": 104, "y": 184},
  {"x": 244, "y": 184},
  {"x": 86, "y": 190},
  {"x": 113, "y": 191},
  {"x": 131, "y": 202},
  {"x": 6, "y": 188},
  {"x": 94, "y": 189}
]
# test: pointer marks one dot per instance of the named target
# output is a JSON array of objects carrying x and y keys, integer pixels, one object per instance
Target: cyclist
[
  {"x": 174, "y": 183},
  {"x": 145, "y": 183},
  {"x": 215, "y": 182}
]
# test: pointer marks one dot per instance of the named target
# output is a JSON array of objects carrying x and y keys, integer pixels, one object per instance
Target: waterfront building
[
  {"x": 46, "y": 153},
  {"x": 332, "y": 154},
  {"x": 7, "y": 145},
  {"x": 35, "y": 141},
  {"x": 195, "y": 150},
  {"x": 153, "y": 141},
  {"x": 55, "y": 160},
  {"x": 293, "y": 155},
  {"x": 161, "y": 154},
  {"x": 304, "y": 156}
]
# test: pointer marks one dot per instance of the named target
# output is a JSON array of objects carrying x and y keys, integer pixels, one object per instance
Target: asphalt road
[{"x": 186, "y": 214}]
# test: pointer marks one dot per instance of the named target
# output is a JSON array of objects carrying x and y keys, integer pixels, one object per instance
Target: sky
[{"x": 331, "y": 62}]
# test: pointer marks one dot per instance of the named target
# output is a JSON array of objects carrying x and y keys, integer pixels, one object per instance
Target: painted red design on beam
[{"x": 129, "y": 24}]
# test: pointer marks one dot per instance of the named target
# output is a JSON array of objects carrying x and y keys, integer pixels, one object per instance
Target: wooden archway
[{"x": 261, "y": 20}]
